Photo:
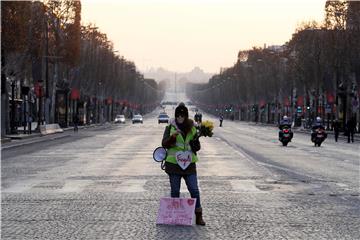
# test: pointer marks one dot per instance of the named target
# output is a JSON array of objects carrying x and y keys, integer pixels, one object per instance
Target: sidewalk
[
  {"x": 36, "y": 134},
  {"x": 21, "y": 135}
]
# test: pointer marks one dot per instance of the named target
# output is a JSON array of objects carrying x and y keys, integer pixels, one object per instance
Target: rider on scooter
[
  {"x": 285, "y": 122},
  {"x": 317, "y": 124}
]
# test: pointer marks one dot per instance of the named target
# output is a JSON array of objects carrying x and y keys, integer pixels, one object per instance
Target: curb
[
  {"x": 8, "y": 139},
  {"x": 23, "y": 136},
  {"x": 20, "y": 144},
  {"x": 5, "y": 140}
]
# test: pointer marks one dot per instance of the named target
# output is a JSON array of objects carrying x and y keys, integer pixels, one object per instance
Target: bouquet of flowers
[{"x": 205, "y": 129}]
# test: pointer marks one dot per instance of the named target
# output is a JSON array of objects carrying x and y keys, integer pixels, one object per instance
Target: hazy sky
[{"x": 181, "y": 34}]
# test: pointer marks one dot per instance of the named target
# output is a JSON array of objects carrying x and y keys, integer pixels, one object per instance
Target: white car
[
  {"x": 163, "y": 118},
  {"x": 137, "y": 119},
  {"x": 119, "y": 119}
]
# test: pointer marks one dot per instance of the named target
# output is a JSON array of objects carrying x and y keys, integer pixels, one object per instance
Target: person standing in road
[
  {"x": 76, "y": 123},
  {"x": 198, "y": 117},
  {"x": 221, "y": 118},
  {"x": 181, "y": 141},
  {"x": 351, "y": 126},
  {"x": 336, "y": 127}
]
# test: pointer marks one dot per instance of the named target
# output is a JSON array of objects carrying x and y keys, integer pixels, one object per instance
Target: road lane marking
[
  {"x": 244, "y": 186},
  {"x": 292, "y": 171},
  {"x": 20, "y": 187},
  {"x": 132, "y": 185},
  {"x": 75, "y": 186}
]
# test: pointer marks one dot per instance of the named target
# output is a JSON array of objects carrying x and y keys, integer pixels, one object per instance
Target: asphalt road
[{"x": 103, "y": 184}]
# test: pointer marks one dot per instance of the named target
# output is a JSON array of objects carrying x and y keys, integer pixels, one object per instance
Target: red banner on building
[
  {"x": 286, "y": 102},
  {"x": 38, "y": 90},
  {"x": 75, "y": 94},
  {"x": 330, "y": 97},
  {"x": 109, "y": 100},
  {"x": 262, "y": 103},
  {"x": 300, "y": 101}
]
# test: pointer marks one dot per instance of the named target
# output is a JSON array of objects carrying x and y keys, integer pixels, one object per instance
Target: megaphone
[{"x": 159, "y": 154}]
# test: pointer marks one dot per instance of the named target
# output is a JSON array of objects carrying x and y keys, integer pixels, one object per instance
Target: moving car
[
  {"x": 163, "y": 118},
  {"x": 119, "y": 119},
  {"x": 137, "y": 118}
]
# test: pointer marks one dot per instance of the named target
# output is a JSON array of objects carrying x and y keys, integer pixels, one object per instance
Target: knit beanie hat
[{"x": 181, "y": 110}]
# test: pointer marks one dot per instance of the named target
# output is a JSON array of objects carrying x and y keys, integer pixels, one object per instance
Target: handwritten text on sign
[
  {"x": 183, "y": 158},
  {"x": 178, "y": 211}
]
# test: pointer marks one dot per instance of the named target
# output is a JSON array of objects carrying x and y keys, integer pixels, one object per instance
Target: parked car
[
  {"x": 163, "y": 118},
  {"x": 119, "y": 119},
  {"x": 137, "y": 118}
]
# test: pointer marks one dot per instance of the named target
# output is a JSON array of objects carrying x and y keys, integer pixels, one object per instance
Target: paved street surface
[{"x": 102, "y": 183}]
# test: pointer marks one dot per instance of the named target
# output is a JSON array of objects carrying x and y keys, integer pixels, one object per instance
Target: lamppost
[
  {"x": 100, "y": 102},
  {"x": 24, "y": 92},
  {"x": 39, "y": 94},
  {"x": 13, "y": 129}
]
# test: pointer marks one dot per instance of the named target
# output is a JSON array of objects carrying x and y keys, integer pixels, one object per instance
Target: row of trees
[
  {"x": 316, "y": 73},
  {"x": 47, "y": 56}
]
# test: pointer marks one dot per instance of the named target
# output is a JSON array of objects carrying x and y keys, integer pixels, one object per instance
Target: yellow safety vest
[{"x": 181, "y": 145}]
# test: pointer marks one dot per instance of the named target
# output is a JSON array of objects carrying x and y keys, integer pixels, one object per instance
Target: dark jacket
[
  {"x": 284, "y": 123},
  {"x": 76, "y": 119},
  {"x": 351, "y": 125},
  {"x": 317, "y": 125},
  {"x": 336, "y": 126}
]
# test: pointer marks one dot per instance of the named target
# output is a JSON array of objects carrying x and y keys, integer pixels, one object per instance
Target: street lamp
[
  {"x": 100, "y": 100},
  {"x": 13, "y": 129},
  {"x": 24, "y": 93}
]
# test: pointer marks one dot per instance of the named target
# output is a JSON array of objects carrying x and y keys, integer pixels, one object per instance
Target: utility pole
[
  {"x": 12, "y": 120},
  {"x": 4, "y": 97},
  {"x": 41, "y": 114},
  {"x": 47, "y": 59}
]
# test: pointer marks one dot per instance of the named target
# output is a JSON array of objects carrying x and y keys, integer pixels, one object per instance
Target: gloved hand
[
  {"x": 169, "y": 141},
  {"x": 195, "y": 145}
]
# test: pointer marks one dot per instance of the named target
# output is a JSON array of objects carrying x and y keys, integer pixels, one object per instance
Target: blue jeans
[{"x": 191, "y": 183}]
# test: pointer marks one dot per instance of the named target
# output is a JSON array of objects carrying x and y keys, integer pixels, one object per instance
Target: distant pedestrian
[
  {"x": 198, "y": 117},
  {"x": 221, "y": 119},
  {"x": 336, "y": 128},
  {"x": 350, "y": 127},
  {"x": 76, "y": 123},
  {"x": 30, "y": 120}
]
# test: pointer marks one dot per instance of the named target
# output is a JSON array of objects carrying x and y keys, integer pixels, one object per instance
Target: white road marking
[
  {"x": 244, "y": 186},
  {"x": 132, "y": 185}
]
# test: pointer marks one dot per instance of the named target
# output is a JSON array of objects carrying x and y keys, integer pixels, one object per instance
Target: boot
[{"x": 199, "y": 219}]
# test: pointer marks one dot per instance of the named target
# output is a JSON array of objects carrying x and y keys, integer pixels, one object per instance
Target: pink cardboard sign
[{"x": 176, "y": 211}]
